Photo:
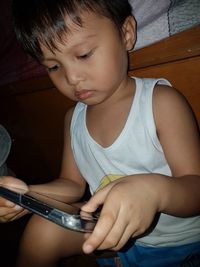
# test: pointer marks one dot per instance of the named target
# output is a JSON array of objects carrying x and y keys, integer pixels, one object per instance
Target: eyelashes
[
  {"x": 83, "y": 57},
  {"x": 86, "y": 55},
  {"x": 53, "y": 68}
]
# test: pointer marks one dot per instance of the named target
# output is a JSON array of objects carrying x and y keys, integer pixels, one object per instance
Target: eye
[
  {"x": 53, "y": 68},
  {"x": 85, "y": 56}
]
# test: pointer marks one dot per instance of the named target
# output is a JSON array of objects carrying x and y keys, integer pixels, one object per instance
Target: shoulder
[
  {"x": 68, "y": 117},
  {"x": 177, "y": 130},
  {"x": 72, "y": 114},
  {"x": 170, "y": 108},
  {"x": 168, "y": 99},
  {"x": 164, "y": 94}
]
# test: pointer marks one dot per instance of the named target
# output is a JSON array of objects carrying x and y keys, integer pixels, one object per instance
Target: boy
[{"x": 134, "y": 141}]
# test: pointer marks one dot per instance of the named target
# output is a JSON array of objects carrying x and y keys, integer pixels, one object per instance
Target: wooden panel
[
  {"x": 35, "y": 123},
  {"x": 26, "y": 86},
  {"x": 178, "y": 47}
]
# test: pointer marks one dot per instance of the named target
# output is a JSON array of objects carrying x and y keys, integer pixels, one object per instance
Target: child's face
[{"x": 91, "y": 62}]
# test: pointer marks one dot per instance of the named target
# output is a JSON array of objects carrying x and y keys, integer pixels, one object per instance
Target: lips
[{"x": 83, "y": 94}]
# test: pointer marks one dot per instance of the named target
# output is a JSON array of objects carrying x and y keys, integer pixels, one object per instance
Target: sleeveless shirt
[{"x": 136, "y": 150}]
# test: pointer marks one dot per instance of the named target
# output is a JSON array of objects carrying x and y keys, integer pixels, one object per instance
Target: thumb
[
  {"x": 97, "y": 199},
  {"x": 13, "y": 183}
]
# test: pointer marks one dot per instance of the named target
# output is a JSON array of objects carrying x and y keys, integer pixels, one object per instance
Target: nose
[{"x": 73, "y": 74}]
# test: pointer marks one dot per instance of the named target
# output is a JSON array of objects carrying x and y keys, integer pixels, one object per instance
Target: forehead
[{"x": 93, "y": 26}]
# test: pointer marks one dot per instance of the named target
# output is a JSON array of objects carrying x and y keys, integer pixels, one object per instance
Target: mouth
[{"x": 83, "y": 94}]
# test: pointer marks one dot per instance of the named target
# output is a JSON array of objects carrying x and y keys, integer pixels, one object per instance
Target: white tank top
[{"x": 136, "y": 150}]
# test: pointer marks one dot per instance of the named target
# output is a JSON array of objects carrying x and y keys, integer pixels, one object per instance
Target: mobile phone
[{"x": 66, "y": 215}]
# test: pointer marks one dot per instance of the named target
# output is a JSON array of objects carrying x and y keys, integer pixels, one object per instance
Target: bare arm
[
  {"x": 70, "y": 185},
  {"x": 9, "y": 210},
  {"x": 179, "y": 136}
]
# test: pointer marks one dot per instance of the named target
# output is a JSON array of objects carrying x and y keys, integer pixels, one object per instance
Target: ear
[{"x": 129, "y": 32}]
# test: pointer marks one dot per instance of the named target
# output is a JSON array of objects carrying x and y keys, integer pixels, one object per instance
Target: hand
[
  {"x": 129, "y": 207},
  {"x": 8, "y": 210}
]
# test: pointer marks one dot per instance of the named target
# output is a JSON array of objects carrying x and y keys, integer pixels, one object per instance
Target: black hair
[{"x": 43, "y": 21}]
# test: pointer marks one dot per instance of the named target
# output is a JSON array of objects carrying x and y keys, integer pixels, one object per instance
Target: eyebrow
[{"x": 85, "y": 37}]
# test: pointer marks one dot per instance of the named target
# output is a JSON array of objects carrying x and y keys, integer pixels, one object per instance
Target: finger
[
  {"x": 123, "y": 240},
  {"x": 3, "y": 220},
  {"x": 103, "y": 227},
  {"x": 116, "y": 233},
  {"x": 12, "y": 216},
  {"x": 128, "y": 234},
  {"x": 11, "y": 213},
  {"x": 6, "y": 203},
  {"x": 96, "y": 200},
  {"x": 13, "y": 182},
  {"x": 7, "y": 210},
  {"x": 20, "y": 214},
  {"x": 87, "y": 235}
]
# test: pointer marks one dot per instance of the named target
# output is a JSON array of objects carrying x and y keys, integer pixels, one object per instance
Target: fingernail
[
  {"x": 87, "y": 249},
  {"x": 17, "y": 207}
]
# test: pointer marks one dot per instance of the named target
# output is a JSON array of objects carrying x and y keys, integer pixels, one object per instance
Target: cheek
[
  {"x": 111, "y": 66},
  {"x": 61, "y": 84},
  {"x": 57, "y": 80}
]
